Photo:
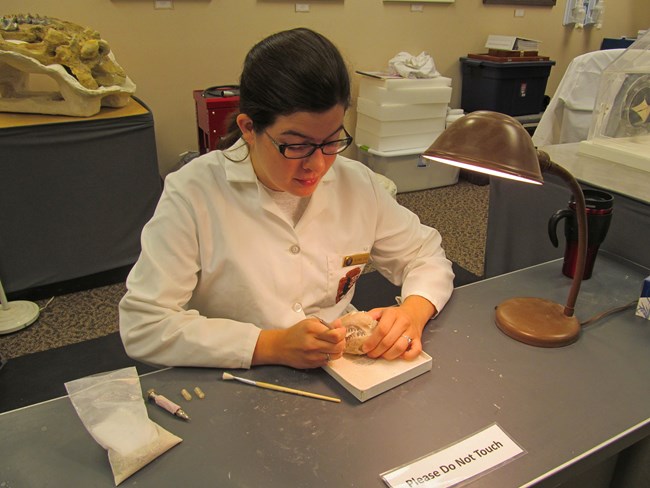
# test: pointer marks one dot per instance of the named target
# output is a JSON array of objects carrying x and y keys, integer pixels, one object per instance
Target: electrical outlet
[
  {"x": 302, "y": 7},
  {"x": 519, "y": 12},
  {"x": 417, "y": 7},
  {"x": 163, "y": 4}
]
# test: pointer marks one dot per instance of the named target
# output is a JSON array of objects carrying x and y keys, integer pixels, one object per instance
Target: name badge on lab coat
[{"x": 356, "y": 259}]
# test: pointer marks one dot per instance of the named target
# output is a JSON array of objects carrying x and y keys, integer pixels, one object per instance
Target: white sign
[{"x": 459, "y": 462}]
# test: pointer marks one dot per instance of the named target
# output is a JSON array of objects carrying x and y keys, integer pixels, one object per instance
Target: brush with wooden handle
[{"x": 270, "y": 386}]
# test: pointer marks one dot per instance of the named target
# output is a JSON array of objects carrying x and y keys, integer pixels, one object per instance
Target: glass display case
[{"x": 620, "y": 128}]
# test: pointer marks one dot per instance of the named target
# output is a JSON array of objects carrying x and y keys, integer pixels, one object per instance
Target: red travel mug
[{"x": 599, "y": 216}]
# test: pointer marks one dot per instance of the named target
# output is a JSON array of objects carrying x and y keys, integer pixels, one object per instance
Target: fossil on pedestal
[{"x": 76, "y": 58}]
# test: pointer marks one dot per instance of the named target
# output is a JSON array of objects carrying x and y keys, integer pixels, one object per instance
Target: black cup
[{"x": 599, "y": 215}]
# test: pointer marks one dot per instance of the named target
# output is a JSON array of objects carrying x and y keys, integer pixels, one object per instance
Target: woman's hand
[
  {"x": 308, "y": 344},
  {"x": 396, "y": 325}
]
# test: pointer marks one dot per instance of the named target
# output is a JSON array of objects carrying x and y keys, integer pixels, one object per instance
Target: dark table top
[{"x": 569, "y": 407}]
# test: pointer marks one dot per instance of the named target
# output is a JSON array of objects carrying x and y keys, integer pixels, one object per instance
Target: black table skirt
[{"x": 74, "y": 197}]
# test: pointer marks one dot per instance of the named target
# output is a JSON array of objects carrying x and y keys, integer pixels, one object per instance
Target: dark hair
[{"x": 297, "y": 70}]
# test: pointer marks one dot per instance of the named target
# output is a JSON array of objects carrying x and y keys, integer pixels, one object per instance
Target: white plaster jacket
[{"x": 220, "y": 261}]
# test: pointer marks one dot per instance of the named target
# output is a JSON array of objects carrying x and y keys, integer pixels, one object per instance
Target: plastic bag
[
  {"x": 113, "y": 411},
  {"x": 408, "y": 66}
]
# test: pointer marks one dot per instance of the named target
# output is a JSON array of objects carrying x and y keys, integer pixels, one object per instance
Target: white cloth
[
  {"x": 569, "y": 113},
  {"x": 408, "y": 66},
  {"x": 220, "y": 260}
]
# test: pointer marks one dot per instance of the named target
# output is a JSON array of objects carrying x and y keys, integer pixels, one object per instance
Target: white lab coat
[{"x": 220, "y": 261}]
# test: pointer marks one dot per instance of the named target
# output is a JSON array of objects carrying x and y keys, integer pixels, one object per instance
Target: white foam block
[
  {"x": 400, "y": 111},
  {"x": 381, "y": 94},
  {"x": 399, "y": 127}
]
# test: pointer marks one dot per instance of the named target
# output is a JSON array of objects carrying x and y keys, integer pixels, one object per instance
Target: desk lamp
[
  {"x": 498, "y": 145},
  {"x": 17, "y": 314}
]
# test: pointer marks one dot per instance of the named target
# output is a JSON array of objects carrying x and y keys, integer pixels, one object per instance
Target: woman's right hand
[{"x": 307, "y": 344}]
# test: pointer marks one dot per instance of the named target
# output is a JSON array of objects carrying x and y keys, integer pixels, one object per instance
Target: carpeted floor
[{"x": 459, "y": 212}]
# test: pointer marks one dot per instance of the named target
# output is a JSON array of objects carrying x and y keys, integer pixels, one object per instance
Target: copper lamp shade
[{"x": 498, "y": 145}]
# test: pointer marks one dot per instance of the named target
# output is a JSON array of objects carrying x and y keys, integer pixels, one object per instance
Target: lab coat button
[
  {"x": 297, "y": 307},
  {"x": 295, "y": 249}
]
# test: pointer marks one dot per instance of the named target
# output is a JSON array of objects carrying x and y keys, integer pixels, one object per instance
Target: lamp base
[
  {"x": 17, "y": 315},
  {"x": 537, "y": 322}
]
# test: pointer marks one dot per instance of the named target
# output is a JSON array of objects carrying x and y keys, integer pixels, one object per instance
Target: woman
[{"x": 253, "y": 251}]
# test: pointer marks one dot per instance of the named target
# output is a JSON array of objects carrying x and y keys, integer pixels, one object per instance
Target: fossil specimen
[
  {"x": 79, "y": 62},
  {"x": 359, "y": 326},
  {"x": 52, "y": 41}
]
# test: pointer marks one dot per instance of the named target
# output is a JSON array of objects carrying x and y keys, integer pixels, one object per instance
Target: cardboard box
[
  {"x": 408, "y": 170},
  {"x": 511, "y": 43}
]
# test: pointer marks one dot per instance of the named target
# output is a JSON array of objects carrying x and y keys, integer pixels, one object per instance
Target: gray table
[{"x": 570, "y": 408}]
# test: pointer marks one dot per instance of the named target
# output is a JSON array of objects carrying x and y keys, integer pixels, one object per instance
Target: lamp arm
[
  {"x": 3, "y": 298},
  {"x": 548, "y": 166}
]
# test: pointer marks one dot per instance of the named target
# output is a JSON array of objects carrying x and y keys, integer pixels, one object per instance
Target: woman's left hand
[{"x": 396, "y": 325}]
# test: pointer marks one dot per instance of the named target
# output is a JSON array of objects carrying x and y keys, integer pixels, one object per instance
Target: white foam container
[
  {"x": 394, "y": 143},
  {"x": 380, "y": 94},
  {"x": 408, "y": 170},
  {"x": 399, "y": 127},
  {"x": 400, "y": 111},
  {"x": 398, "y": 83}
]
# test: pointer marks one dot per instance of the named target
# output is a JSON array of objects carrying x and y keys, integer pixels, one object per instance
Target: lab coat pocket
[{"x": 343, "y": 273}]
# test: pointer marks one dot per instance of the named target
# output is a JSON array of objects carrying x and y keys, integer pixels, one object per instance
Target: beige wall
[{"x": 169, "y": 53}]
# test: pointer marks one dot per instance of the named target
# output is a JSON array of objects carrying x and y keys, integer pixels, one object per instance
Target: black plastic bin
[{"x": 512, "y": 88}]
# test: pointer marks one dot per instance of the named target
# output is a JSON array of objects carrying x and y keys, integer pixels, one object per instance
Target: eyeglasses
[{"x": 299, "y": 151}]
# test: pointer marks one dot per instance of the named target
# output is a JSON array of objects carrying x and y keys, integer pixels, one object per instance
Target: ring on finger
[
  {"x": 409, "y": 340},
  {"x": 328, "y": 357}
]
